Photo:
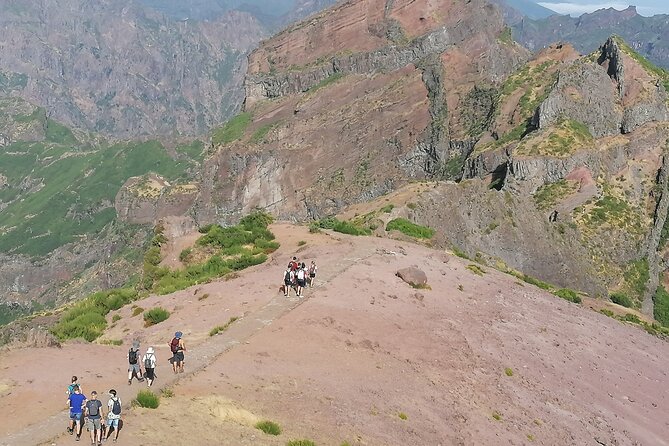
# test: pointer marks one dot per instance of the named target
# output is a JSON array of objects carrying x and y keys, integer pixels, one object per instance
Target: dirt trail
[
  {"x": 368, "y": 360},
  {"x": 46, "y": 431}
]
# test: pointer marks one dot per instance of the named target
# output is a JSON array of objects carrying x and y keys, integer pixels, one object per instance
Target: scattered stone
[{"x": 413, "y": 276}]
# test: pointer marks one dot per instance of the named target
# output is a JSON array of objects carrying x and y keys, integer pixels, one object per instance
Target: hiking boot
[
  {"x": 70, "y": 430},
  {"x": 129, "y": 382},
  {"x": 78, "y": 438}
]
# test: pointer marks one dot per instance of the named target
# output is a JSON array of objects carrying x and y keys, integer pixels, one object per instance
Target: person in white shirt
[
  {"x": 114, "y": 407},
  {"x": 149, "y": 361}
]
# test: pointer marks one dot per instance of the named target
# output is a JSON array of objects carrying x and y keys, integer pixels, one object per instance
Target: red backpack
[{"x": 174, "y": 345}]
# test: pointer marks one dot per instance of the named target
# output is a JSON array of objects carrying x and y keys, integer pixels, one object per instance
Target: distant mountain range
[
  {"x": 647, "y": 35},
  {"x": 515, "y": 10},
  {"x": 136, "y": 68}
]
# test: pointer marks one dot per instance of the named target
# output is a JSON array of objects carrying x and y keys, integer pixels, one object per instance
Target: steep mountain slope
[
  {"x": 562, "y": 157},
  {"x": 57, "y": 202},
  {"x": 647, "y": 35},
  {"x": 122, "y": 69}
]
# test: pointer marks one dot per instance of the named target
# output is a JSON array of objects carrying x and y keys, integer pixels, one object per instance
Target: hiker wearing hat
[
  {"x": 134, "y": 370},
  {"x": 149, "y": 361},
  {"x": 178, "y": 348},
  {"x": 114, "y": 406}
]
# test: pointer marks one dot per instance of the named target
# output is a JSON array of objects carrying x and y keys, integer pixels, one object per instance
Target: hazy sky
[{"x": 578, "y": 7}]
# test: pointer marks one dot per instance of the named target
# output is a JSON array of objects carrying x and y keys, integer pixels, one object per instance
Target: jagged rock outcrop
[
  {"x": 147, "y": 199},
  {"x": 356, "y": 101}
]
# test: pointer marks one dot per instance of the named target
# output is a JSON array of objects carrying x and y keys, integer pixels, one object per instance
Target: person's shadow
[{"x": 111, "y": 429}]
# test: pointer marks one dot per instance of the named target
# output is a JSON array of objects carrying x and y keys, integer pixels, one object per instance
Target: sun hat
[
  {"x": 112, "y": 392},
  {"x": 149, "y": 350},
  {"x": 178, "y": 335}
]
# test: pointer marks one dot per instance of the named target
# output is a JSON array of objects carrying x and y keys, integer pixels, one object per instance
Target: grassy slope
[{"x": 61, "y": 189}]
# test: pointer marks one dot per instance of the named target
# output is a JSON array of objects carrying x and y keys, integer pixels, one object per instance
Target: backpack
[
  {"x": 116, "y": 408},
  {"x": 147, "y": 362},
  {"x": 71, "y": 387},
  {"x": 286, "y": 277},
  {"x": 174, "y": 345},
  {"x": 132, "y": 356},
  {"x": 300, "y": 274},
  {"x": 93, "y": 409}
]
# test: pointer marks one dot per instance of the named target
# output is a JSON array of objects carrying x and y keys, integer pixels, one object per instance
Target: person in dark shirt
[
  {"x": 93, "y": 408},
  {"x": 75, "y": 401}
]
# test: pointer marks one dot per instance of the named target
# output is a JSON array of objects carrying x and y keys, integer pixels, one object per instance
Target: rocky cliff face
[
  {"x": 559, "y": 154},
  {"x": 356, "y": 101},
  {"x": 122, "y": 69}
]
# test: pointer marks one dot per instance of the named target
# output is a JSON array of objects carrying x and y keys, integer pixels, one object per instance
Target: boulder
[{"x": 413, "y": 276}]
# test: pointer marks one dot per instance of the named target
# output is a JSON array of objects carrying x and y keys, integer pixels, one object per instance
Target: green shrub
[
  {"x": 661, "y": 309},
  {"x": 536, "y": 282},
  {"x": 155, "y": 316},
  {"x": 476, "y": 269},
  {"x": 408, "y": 228},
  {"x": 508, "y": 371},
  {"x": 112, "y": 342},
  {"x": 402, "y": 416},
  {"x": 346, "y": 227},
  {"x": 387, "y": 208},
  {"x": 137, "y": 310},
  {"x": 460, "y": 253},
  {"x": 607, "y": 312},
  {"x": 166, "y": 392},
  {"x": 300, "y": 443},
  {"x": 497, "y": 416},
  {"x": 567, "y": 294},
  {"x": 621, "y": 299},
  {"x": 116, "y": 318},
  {"x": 216, "y": 330},
  {"x": 633, "y": 318},
  {"x": 86, "y": 319},
  {"x": 301, "y": 243},
  {"x": 268, "y": 427},
  {"x": 183, "y": 255},
  {"x": 148, "y": 399}
]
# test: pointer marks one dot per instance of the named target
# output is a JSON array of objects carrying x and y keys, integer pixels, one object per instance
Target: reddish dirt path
[{"x": 365, "y": 347}]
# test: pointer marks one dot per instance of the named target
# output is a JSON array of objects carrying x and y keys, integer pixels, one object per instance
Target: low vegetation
[
  {"x": 345, "y": 227},
  {"x": 86, "y": 318},
  {"x": 661, "y": 306},
  {"x": 561, "y": 140},
  {"x": 621, "y": 299},
  {"x": 268, "y": 427},
  {"x": 651, "y": 328},
  {"x": 402, "y": 416},
  {"x": 568, "y": 295},
  {"x": 300, "y": 443},
  {"x": 155, "y": 316},
  {"x": 234, "y": 248},
  {"x": 326, "y": 82},
  {"x": 221, "y": 328},
  {"x": 661, "y": 73},
  {"x": 497, "y": 416},
  {"x": 232, "y": 130},
  {"x": 408, "y": 228},
  {"x": 476, "y": 269},
  {"x": 146, "y": 398},
  {"x": 508, "y": 371},
  {"x": 549, "y": 195}
]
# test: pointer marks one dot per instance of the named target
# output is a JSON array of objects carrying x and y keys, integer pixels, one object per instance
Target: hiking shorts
[
  {"x": 312, "y": 275},
  {"x": 134, "y": 368},
  {"x": 287, "y": 283},
  {"x": 113, "y": 422},
  {"x": 75, "y": 416},
  {"x": 93, "y": 423},
  {"x": 301, "y": 282},
  {"x": 149, "y": 374},
  {"x": 179, "y": 357}
]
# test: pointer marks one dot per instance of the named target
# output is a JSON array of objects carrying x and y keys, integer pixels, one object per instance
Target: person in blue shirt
[{"x": 76, "y": 402}]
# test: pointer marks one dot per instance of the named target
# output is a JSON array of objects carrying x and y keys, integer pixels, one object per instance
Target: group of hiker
[
  {"x": 91, "y": 409},
  {"x": 296, "y": 276}
]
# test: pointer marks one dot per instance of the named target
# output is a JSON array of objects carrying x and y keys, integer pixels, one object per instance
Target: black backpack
[
  {"x": 147, "y": 362},
  {"x": 286, "y": 277},
  {"x": 132, "y": 356},
  {"x": 116, "y": 408}
]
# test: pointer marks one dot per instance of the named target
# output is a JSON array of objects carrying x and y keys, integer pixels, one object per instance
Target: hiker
[
  {"x": 114, "y": 406},
  {"x": 294, "y": 264},
  {"x": 134, "y": 370},
  {"x": 149, "y": 361},
  {"x": 178, "y": 348},
  {"x": 312, "y": 273},
  {"x": 301, "y": 276},
  {"x": 73, "y": 384},
  {"x": 75, "y": 401},
  {"x": 288, "y": 278},
  {"x": 93, "y": 408}
]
